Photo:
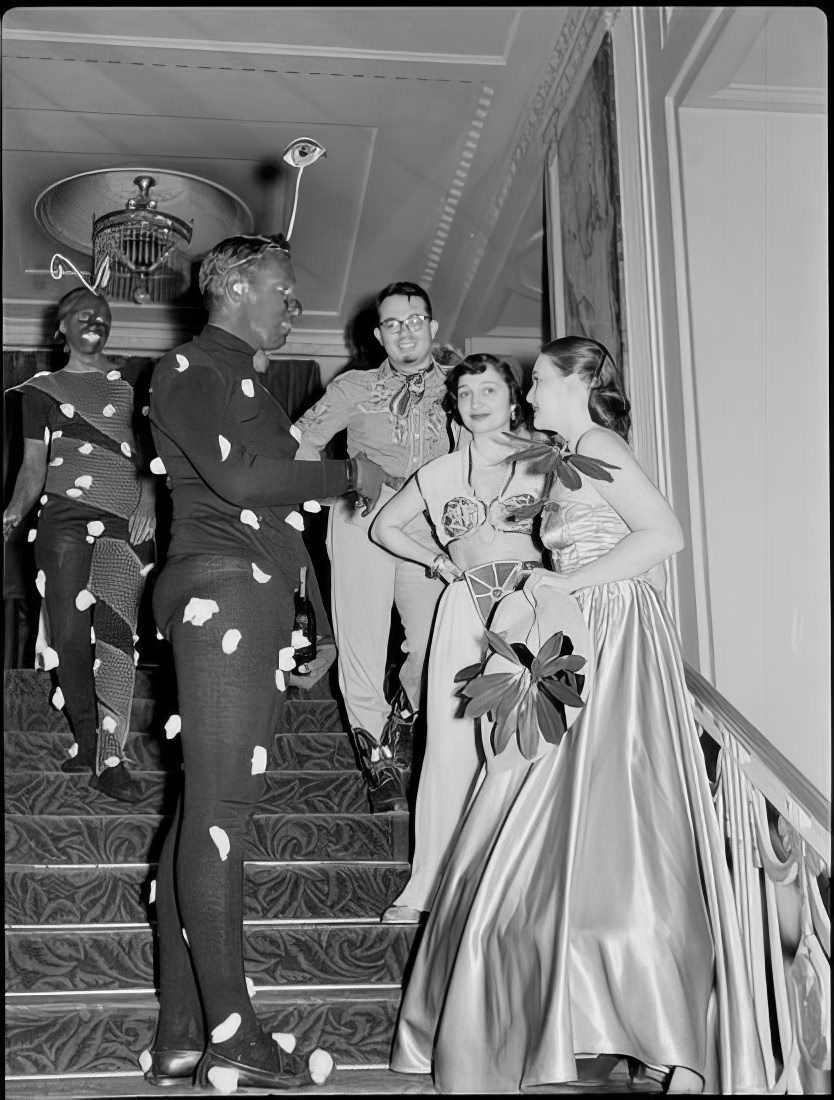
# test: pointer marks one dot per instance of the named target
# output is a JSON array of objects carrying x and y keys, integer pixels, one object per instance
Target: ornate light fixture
[{"x": 149, "y": 241}]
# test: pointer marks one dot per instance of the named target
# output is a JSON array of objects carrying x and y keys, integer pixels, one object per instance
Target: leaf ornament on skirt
[
  {"x": 529, "y": 701},
  {"x": 558, "y": 463}
]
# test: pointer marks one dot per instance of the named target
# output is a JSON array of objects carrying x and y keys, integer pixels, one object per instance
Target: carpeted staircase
[{"x": 80, "y": 981}]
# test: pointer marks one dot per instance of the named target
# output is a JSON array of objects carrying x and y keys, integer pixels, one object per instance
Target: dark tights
[{"x": 229, "y": 706}]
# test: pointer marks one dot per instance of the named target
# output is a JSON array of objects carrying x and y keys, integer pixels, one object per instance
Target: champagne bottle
[{"x": 304, "y": 623}]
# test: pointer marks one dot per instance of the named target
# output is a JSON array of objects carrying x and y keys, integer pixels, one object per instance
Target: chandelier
[
  {"x": 147, "y": 226},
  {"x": 146, "y": 249}
]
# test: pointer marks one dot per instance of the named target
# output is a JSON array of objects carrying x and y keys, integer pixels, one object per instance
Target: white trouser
[{"x": 366, "y": 581}]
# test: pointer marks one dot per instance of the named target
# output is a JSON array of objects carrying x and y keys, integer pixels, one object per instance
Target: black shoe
[
  {"x": 118, "y": 783},
  {"x": 79, "y": 763},
  {"x": 171, "y": 1067},
  {"x": 383, "y": 779},
  {"x": 398, "y": 735},
  {"x": 294, "y": 1070}
]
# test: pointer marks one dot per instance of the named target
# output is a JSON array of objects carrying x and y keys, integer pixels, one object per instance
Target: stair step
[
  {"x": 106, "y": 1033},
  {"x": 29, "y": 792},
  {"x": 138, "y": 837},
  {"x": 120, "y": 894},
  {"x": 27, "y": 705},
  {"x": 50, "y": 960},
  {"x": 46, "y": 750}
]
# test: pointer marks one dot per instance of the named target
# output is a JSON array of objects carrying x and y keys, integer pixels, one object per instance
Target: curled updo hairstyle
[
  {"x": 69, "y": 304},
  {"x": 477, "y": 364},
  {"x": 592, "y": 361}
]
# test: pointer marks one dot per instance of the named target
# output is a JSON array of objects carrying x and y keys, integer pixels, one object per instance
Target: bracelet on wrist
[{"x": 439, "y": 562}]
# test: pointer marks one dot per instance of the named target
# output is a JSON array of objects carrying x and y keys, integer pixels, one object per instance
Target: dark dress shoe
[
  {"x": 79, "y": 763},
  {"x": 118, "y": 783},
  {"x": 171, "y": 1067},
  {"x": 295, "y": 1070}
]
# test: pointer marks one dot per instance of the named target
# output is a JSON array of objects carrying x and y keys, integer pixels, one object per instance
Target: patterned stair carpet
[{"x": 80, "y": 981}]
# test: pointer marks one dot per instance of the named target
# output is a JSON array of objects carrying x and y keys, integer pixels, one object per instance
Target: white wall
[{"x": 755, "y": 193}]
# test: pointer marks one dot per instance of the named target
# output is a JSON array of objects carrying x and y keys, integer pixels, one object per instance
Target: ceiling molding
[
  {"x": 581, "y": 33},
  {"x": 454, "y": 189},
  {"x": 769, "y": 97},
  {"x": 265, "y": 49}
]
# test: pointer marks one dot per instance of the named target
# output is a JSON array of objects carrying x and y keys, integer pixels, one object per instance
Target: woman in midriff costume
[{"x": 471, "y": 496}]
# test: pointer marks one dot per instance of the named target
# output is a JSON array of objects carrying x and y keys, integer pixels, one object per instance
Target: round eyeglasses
[{"x": 413, "y": 323}]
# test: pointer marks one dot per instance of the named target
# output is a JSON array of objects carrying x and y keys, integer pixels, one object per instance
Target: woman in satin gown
[{"x": 586, "y": 909}]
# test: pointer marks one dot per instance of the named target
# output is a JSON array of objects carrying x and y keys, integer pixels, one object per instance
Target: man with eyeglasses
[
  {"x": 394, "y": 416},
  {"x": 225, "y": 601}
]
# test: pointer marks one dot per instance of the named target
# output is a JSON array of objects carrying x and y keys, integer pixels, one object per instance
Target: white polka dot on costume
[
  {"x": 136, "y": 657},
  {"x": 84, "y": 599},
  {"x": 108, "y": 724},
  {"x": 74, "y": 493},
  {"x": 46, "y": 435},
  {"x": 285, "y": 1040},
  {"x": 33, "y": 534},
  {"x": 58, "y": 699},
  {"x": 225, "y": 447},
  {"x": 280, "y": 682},
  {"x": 299, "y": 639},
  {"x": 311, "y": 506},
  {"x": 145, "y": 1061},
  {"x": 248, "y": 387},
  {"x": 49, "y": 658},
  {"x": 57, "y": 434},
  {"x": 112, "y": 762},
  {"x": 231, "y": 640},
  {"x": 320, "y": 1066},
  {"x": 72, "y": 751},
  {"x": 294, "y": 519},
  {"x": 92, "y": 635},
  {"x": 57, "y": 462},
  {"x": 224, "y": 1079},
  {"x": 95, "y": 527},
  {"x": 182, "y": 363},
  {"x": 85, "y": 448},
  {"x": 250, "y": 987},
  {"x": 40, "y": 581},
  {"x": 96, "y": 664},
  {"x": 67, "y": 409},
  {"x": 136, "y": 637},
  {"x": 160, "y": 637},
  {"x": 152, "y": 892},
  {"x": 158, "y": 466},
  {"x": 286, "y": 660},
  {"x": 221, "y": 839},
  {"x": 173, "y": 726},
  {"x": 250, "y": 519},
  {"x": 295, "y": 433},
  {"x": 89, "y": 538},
  {"x": 198, "y": 610},
  {"x": 125, "y": 449},
  {"x": 258, "y": 760},
  {"x": 227, "y": 1028},
  {"x": 43, "y": 499},
  {"x": 259, "y": 575},
  {"x": 143, "y": 572},
  {"x": 113, "y": 375},
  {"x": 146, "y": 410},
  {"x": 108, "y": 410},
  {"x": 84, "y": 481}
]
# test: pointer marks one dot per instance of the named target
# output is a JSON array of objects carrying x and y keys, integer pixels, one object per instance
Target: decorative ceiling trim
[
  {"x": 770, "y": 97},
  {"x": 267, "y": 49},
  {"x": 455, "y": 187},
  {"x": 573, "y": 53}
]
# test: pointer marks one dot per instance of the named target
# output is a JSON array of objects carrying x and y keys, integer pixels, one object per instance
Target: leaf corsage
[
  {"x": 530, "y": 701},
  {"x": 558, "y": 463}
]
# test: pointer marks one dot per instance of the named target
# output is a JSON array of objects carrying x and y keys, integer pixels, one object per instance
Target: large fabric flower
[
  {"x": 537, "y": 698},
  {"x": 558, "y": 463}
]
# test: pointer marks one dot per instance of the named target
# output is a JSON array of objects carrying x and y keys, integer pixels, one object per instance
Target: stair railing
[{"x": 778, "y": 831}]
